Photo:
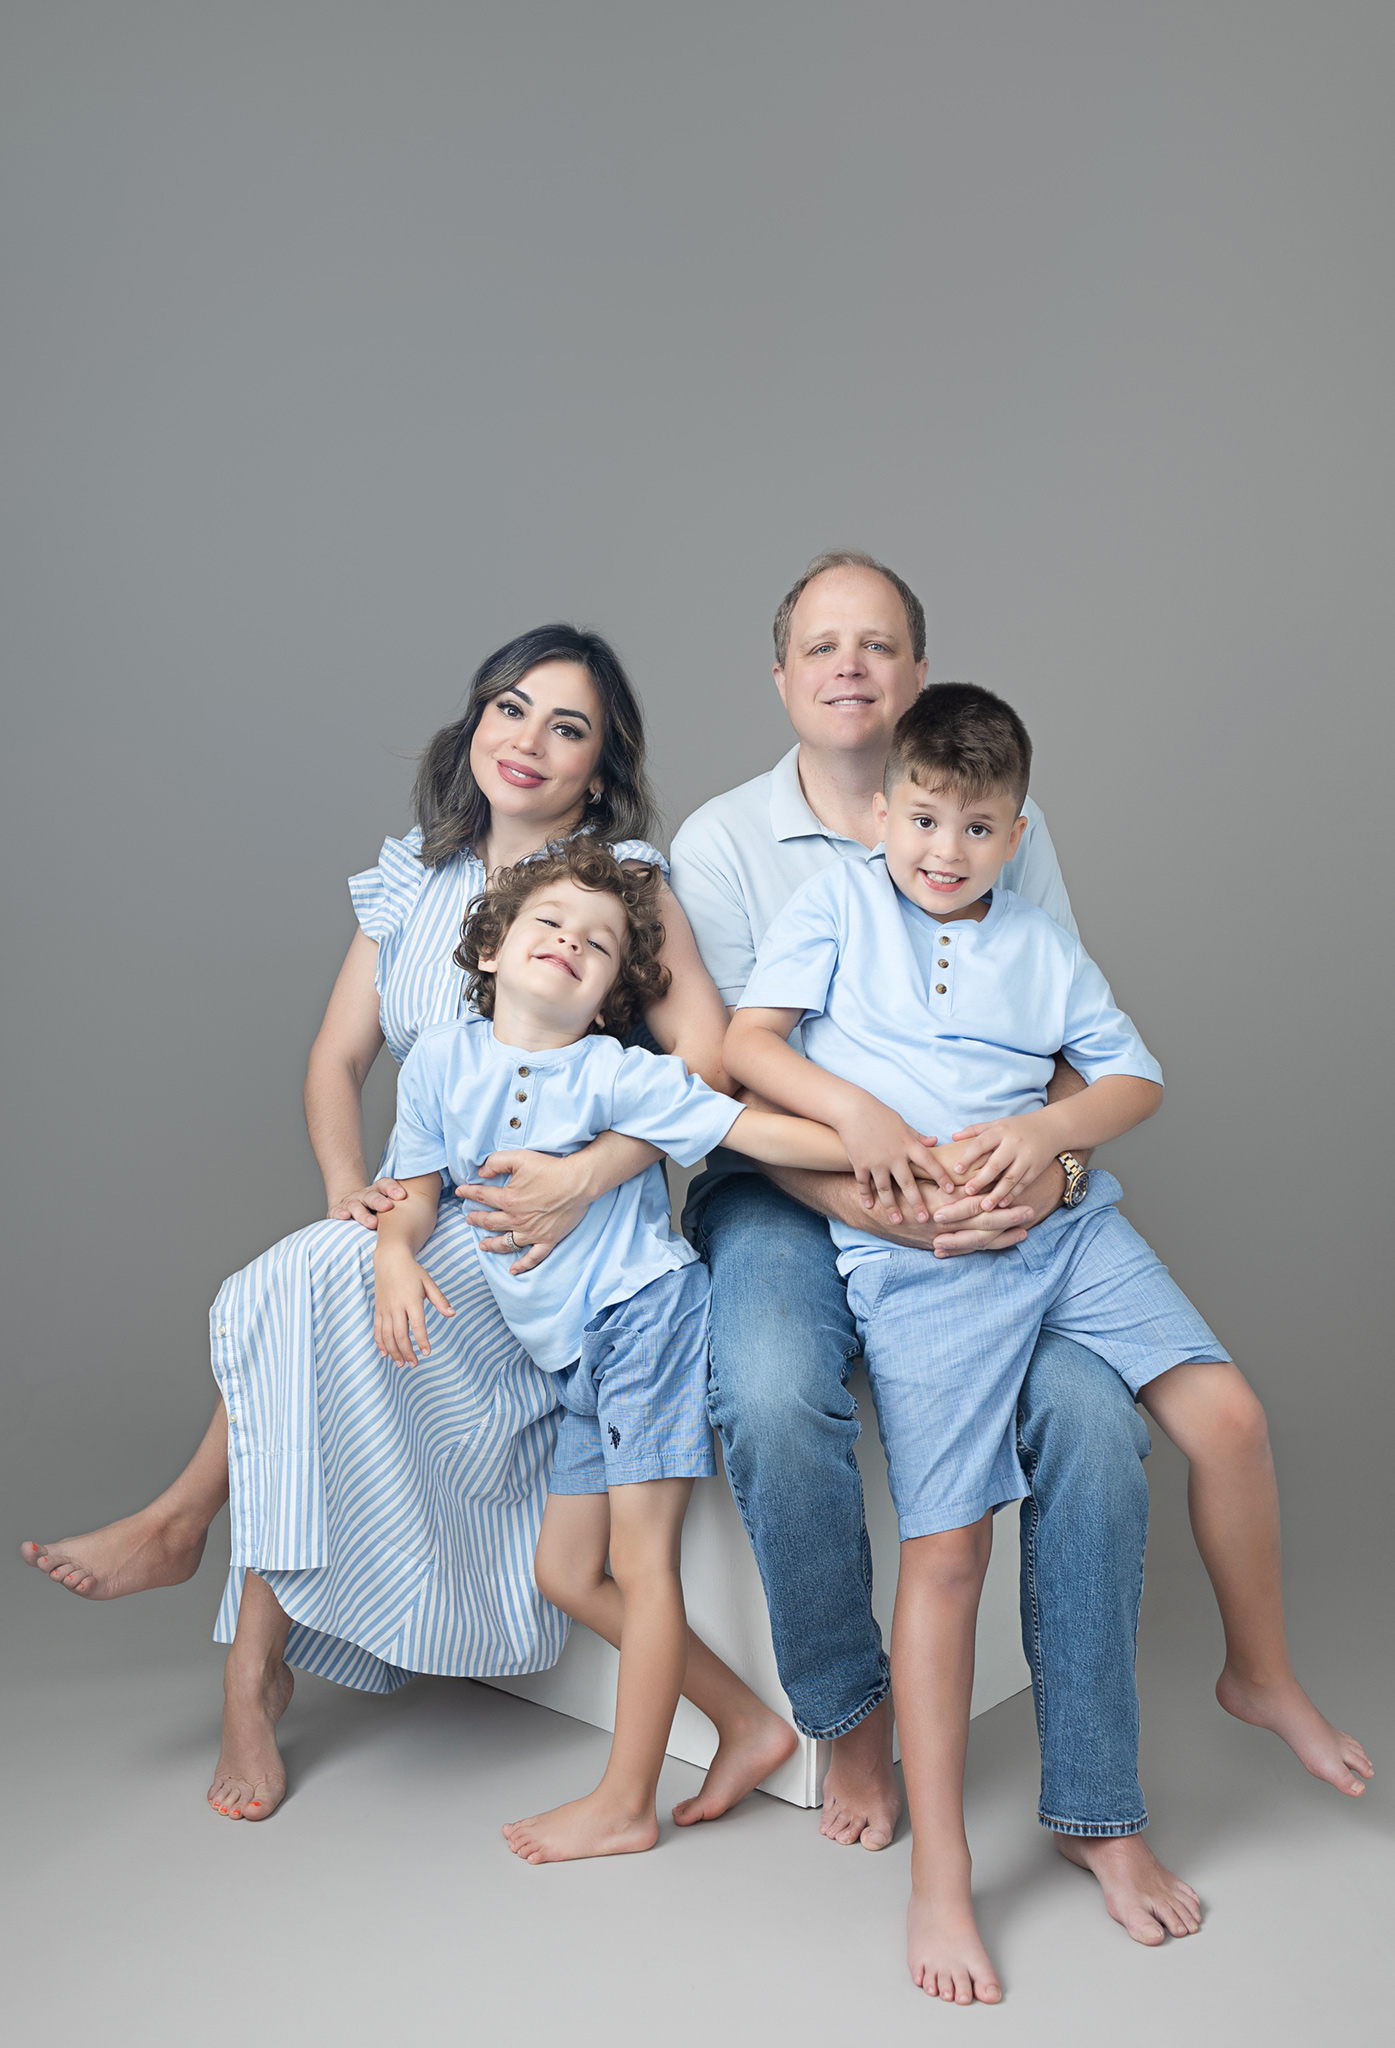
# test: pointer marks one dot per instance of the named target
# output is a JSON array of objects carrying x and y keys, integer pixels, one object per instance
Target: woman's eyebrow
[{"x": 558, "y": 710}]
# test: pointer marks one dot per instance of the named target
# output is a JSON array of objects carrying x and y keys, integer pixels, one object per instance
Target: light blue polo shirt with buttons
[
  {"x": 949, "y": 1024},
  {"x": 462, "y": 1094}
]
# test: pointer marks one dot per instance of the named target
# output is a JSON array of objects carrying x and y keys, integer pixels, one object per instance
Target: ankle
[{"x": 1257, "y": 1676}]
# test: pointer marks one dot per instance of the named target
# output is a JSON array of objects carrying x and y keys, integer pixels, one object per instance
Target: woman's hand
[
  {"x": 544, "y": 1201},
  {"x": 401, "y": 1290},
  {"x": 1005, "y": 1155},
  {"x": 366, "y": 1205}
]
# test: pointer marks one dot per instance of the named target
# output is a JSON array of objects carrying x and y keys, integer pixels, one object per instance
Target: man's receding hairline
[{"x": 857, "y": 569}]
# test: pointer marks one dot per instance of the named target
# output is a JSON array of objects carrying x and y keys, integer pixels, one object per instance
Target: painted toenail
[{"x": 256, "y": 1802}]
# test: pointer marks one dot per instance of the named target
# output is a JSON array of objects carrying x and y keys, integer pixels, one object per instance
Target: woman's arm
[
  {"x": 691, "y": 1019},
  {"x": 346, "y": 1045}
]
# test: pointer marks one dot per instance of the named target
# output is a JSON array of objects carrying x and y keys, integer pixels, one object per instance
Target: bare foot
[
  {"x": 128, "y": 1556},
  {"x": 1142, "y": 1894},
  {"x": 1286, "y": 1709},
  {"x": 861, "y": 1800},
  {"x": 946, "y": 1953},
  {"x": 250, "y": 1780},
  {"x": 593, "y": 1826},
  {"x": 748, "y": 1751}
]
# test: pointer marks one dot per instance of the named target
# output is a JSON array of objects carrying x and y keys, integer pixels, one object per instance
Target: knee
[
  {"x": 951, "y": 1563},
  {"x": 563, "y": 1577}
]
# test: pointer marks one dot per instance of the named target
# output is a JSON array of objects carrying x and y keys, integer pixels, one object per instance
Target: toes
[{"x": 1145, "y": 1930}]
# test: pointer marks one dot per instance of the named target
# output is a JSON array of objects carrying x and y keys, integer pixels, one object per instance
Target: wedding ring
[{"x": 512, "y": 1242}]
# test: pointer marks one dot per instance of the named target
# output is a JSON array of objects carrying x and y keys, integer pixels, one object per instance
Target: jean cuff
[
  {"x": 845, "y": 1727},
  {"x": 1097, "y": 1829}
]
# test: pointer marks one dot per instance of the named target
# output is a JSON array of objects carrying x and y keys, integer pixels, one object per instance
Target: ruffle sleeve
[
  {"x": 385, "y": 896},
  {"x": 640, "y": 849}
]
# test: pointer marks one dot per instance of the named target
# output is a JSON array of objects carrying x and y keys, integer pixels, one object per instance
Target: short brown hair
[
  {"x": 642, "y": 978},
  {"x": 850, "y": 558},
  {"x": 959, "y": 737}
]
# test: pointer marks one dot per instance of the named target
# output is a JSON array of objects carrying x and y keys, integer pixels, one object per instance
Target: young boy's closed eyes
[{"x": 933, "y": 1002}]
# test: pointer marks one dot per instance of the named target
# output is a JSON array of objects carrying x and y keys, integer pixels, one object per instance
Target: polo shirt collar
[{"x": 790, "y": 815}]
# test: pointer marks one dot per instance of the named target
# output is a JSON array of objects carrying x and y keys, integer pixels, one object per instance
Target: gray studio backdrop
[{"x": 344, "y": 341}]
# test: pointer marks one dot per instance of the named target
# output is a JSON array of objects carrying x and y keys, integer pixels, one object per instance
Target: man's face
[
  {"x": 849, "y": 672},
  {"x": 945, "y": 851}
]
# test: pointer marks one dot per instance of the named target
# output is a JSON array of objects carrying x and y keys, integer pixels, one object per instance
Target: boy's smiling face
[
  {"x": 946, "y": 850},
  {"x": 558, "y": 963}
]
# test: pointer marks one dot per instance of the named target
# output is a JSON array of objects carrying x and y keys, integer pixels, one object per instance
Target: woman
[{"x": 389, "y": 1518}]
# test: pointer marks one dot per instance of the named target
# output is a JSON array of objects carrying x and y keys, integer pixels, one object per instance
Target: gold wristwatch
[{"x": 1077, "y": 1180}]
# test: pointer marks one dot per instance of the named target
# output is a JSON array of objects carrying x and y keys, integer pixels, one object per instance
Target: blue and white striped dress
[{"x": 393, "y": 1513}]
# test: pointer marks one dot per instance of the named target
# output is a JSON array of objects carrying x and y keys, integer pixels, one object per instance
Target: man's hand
[
  {"x": 401, "y": 1290},
  {"x": 545, "y": 1199},
  {"x": 366, "y": 1205}
]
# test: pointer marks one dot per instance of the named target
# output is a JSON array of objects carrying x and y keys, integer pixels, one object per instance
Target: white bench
[{"x": 726, "y": 1605}]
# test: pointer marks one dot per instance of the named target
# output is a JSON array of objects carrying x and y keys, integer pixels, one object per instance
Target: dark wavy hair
[
  {"x": 642, "y": 978},
  {"x": 451, "y": 808}
]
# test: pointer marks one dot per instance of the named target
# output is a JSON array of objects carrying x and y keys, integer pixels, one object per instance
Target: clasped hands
[{"x": 981, "y": 1191}]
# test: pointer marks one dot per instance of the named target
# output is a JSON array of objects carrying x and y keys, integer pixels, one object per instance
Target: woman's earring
[{"x": 594, "y": 797}]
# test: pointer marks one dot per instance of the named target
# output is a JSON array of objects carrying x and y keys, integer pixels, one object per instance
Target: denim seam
[
  {"x": 1100, "y": 1830},
  {"x": 1027, "y": 1539},
  {"x": 853, "y": 1720}
]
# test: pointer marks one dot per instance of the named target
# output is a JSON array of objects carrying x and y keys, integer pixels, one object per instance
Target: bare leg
[
  {"x": 250, "y": 1780},
  {"x": 160, "y": 1545},
  {"x": 932, "y": 1663},
  {"x": 861, "y": 1800},
  {"x": 751, "y": 1740},
  {"x": 1215, "y": 1419},
  {"x": 646, "y": 1527}
]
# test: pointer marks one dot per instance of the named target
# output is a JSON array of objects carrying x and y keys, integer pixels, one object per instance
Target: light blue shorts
[
  {"x": 637, "y": 1397},
  {"x": 947, "y": 1343}
]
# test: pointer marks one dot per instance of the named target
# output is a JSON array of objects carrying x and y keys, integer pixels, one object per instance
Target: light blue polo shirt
[
  {"x": 949, "y": 1024},
  {"x": 461, "y": 1095}
]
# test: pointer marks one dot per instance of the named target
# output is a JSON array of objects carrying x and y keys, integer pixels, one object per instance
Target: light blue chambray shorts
[
  {"x": 947, "y": 1344},
  {"x": 636, "y": 1398}
]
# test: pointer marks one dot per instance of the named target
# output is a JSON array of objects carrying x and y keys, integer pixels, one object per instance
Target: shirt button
[
  {"x": 525, "y": 1071},
  {"x": 514, "y": 1123},
  {"x": 222, "y": 1329},
  {"x": 939, "y": 988},
  {"x": 942, "y": 963},
  {"x": 944, "y": 938},
  {"x": 519, "y": 1096}
]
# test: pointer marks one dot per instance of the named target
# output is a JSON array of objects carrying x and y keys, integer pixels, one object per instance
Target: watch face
[{"x": 1078, "y": 1189}]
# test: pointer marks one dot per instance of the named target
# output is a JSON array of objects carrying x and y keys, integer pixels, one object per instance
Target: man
[{"x": 850, "y": 658}]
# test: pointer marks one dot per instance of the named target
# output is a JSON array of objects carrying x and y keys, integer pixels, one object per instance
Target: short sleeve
[
  {"x": 1034, "y": 873},
  {"x": 420, "y": 1134},
  {"x": 640, "y": 849},
  {"x": 721, "y": 921},
  {"x": 385, "y": 896},
  {"x": 655, "y": 1097},
  {"x": 799, "y": 954},
  {"x": 1099, "y": 1039}
]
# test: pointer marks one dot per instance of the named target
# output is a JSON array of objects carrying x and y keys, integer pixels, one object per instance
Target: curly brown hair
[{"x": 642, "y": 979}]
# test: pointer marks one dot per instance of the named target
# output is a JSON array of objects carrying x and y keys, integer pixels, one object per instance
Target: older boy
[{"x": 949, "y": 998}]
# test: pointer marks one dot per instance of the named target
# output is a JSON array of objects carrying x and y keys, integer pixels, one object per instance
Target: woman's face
[{"x": 537, "y": 746}]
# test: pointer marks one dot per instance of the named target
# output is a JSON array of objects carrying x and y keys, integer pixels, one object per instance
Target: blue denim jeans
[{"x": 783, "y": 1345}]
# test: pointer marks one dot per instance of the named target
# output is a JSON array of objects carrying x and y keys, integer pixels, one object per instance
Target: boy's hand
[
  {"x": 401, "y": 1289},
  {"x": 887, "y": 1155},
  {"x": 1001, "y": 1157}
]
